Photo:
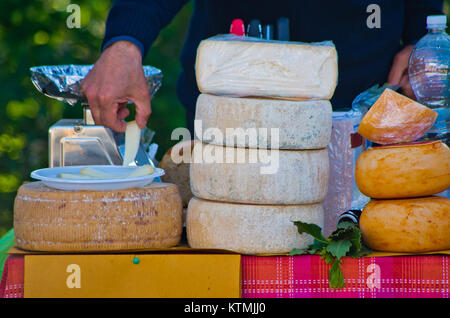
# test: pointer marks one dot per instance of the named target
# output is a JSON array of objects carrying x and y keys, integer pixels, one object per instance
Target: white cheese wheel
[
  {"x": 264, "y": 123},
  {"x": 407, "y": 225},
  {"x": 227, "y": 65},
  {"x": 249, "y": 229},
  {"x": 47, "y": 219},
  {"x": 261, "y": 176},
  {"x": 404, "y": 171}
]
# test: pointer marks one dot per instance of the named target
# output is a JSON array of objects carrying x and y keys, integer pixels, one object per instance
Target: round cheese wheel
[
  {"x": 264, "y": 123},
  {"x": 407, "y": 225},
  {"x": 247, "y": 228},
  {"x": 403, "y": 171},
  {"x": 259, "y": 176},
  {"x": 177, "y": 169},
  {"x": 47, "y": 219}
]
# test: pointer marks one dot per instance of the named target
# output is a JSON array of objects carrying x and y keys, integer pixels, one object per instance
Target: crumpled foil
[
  {"x": 366, "y": 99},
  {"x": 63, "y": 82}
]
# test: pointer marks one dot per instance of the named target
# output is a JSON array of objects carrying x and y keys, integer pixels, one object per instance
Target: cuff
[{"x": 125, "y": 38}]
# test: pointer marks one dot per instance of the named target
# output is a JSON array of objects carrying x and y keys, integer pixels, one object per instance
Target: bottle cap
[
  {"x": 436, "y": 21},
  {"x": 237, "y": 27}
]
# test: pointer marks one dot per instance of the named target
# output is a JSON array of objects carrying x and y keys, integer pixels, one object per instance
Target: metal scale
[{"x": 75, "y": 142}]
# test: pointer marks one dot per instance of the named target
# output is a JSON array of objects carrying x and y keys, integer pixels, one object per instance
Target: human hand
[
  {"x": 117, "y": 78},
  {"x": 399, "y": 71}
]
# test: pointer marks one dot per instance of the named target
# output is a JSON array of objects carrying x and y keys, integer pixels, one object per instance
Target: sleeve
[
  {"x": 416, "y": 12},
  {"x": 139, "y": 21}
]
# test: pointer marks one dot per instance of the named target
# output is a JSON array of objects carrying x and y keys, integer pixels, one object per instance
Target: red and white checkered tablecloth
[{"x": 306, "y": 276}]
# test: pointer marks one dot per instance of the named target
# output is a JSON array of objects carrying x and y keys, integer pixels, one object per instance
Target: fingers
[
  {"x": 400, "y": 65},
  {"x": 406, "y": 86},
  {"x": 143, "y": 108}
]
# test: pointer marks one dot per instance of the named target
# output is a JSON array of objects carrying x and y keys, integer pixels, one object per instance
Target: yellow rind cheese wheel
[
  {"x": 407, "y": 225},
  {"x": 47, "y": 219},
  {"x": 404, "y": 171}
]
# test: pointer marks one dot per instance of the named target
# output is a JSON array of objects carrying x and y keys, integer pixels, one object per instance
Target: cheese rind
[
  {"x": 249, "y": 229},
  {"x": 175, "y": 163},
  {"x": 265, "y": 123},
  {"x": 407, "y": 225},
  {"x": 47, "y": 219},
  {"x": 292, "y": 177},
  {"x": 395, "y": 118},
  {"x": 404, "y": 171},
  {"x": 229, "y": 65}
]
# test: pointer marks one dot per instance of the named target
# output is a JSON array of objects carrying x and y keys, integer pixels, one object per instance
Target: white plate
[{"x": 49, "y": 176}]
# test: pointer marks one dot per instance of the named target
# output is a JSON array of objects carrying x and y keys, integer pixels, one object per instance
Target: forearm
[{"x": 139, "y": 21}]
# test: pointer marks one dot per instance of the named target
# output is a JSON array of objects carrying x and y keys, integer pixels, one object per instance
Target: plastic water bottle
[{"x": 429, "y": 74}]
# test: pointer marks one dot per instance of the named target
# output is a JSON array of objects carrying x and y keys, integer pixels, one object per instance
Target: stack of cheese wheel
[
  {"x": 404, "y": 214},
  {"x": 263, "y": 123}
]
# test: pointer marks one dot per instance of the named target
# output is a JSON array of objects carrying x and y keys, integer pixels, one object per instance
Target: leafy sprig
[{"x": 344, "y": 241}]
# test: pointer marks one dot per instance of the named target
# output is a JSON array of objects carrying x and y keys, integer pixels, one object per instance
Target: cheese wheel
[
  {"x": 230, "y": 65},
  {"x": 249, "y": 229},
  {"x": 395, "y": 118},
  {"x": 403, "y": 171},
  {"x": 407, "y": 225},
  {"x": 259, "y": 176},
  {"x": 264, "y": 123},
  {"x": 47, "y": 219},
  {"x": 175, "y": 163}
]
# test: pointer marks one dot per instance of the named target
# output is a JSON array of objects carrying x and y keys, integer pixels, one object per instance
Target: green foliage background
[{"x": 35, "y": 33}]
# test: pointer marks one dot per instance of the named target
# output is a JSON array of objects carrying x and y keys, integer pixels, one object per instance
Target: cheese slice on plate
[
  {"x": 231, "y": 65},
  {"x": 264, "y": 123},
  {"x": 249, "y": 229},
  {"x": 47, "y": 219}
]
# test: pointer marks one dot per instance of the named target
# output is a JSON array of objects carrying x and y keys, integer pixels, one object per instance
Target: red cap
[{"x": 237, "y": 27}]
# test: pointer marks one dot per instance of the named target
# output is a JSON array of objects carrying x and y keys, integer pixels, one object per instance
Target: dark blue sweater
[{"x": 365, "y": 54}]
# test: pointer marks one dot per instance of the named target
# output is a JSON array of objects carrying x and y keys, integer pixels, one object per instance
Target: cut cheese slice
[
  {"x": 230, "y": 65},
  {"x": 395, "y": 118},
  {"x": 47, "y": 219},
  {"x": 264, "y": 123},
  {"x": 404, "y": 171},
  {"x": 249, "y": 229},
  {"x": 407, "y": 225},
  {"x": 175, "y": 163},
  {"x": 259, "y": 176}
]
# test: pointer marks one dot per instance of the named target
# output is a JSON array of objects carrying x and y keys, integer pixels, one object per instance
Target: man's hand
[
  {"x": 116, "y": 78},
  {"x": 399, "y": 71}
]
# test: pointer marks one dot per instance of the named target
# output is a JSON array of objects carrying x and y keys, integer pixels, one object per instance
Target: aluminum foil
[{"x": 63, "y": 82}]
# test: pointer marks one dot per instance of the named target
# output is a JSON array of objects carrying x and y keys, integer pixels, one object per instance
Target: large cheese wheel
[
  {"x": 395, "y": 118},
  {"x": 230, "y": 65},
  {"x": 407, "y": 225},
  {"x": 47, "y": 219},
  {"x": 264, "y": 123},
  {"x": 249, "y": 229},
  {"x": 403, "y": 171},
  {"x": 175, "y": 163},
  {"x": 271, "y": 177}
]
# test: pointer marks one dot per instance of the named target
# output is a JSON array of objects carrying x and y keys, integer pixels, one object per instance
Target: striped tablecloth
[{"x": 306, "y": 276}]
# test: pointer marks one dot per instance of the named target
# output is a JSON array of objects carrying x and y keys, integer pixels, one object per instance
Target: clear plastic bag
[{"x": 242, "y": 66}]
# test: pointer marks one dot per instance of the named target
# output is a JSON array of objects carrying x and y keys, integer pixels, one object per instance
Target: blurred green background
[{"x": 35, "y": 33}]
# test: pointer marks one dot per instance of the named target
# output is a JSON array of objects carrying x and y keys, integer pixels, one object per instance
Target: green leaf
[
  {"x": 297, "y": 251},
  {"x": 336, "y": 277},
  {"x": 312, "y": 229},
  {"x": 339, "y": 248}
]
